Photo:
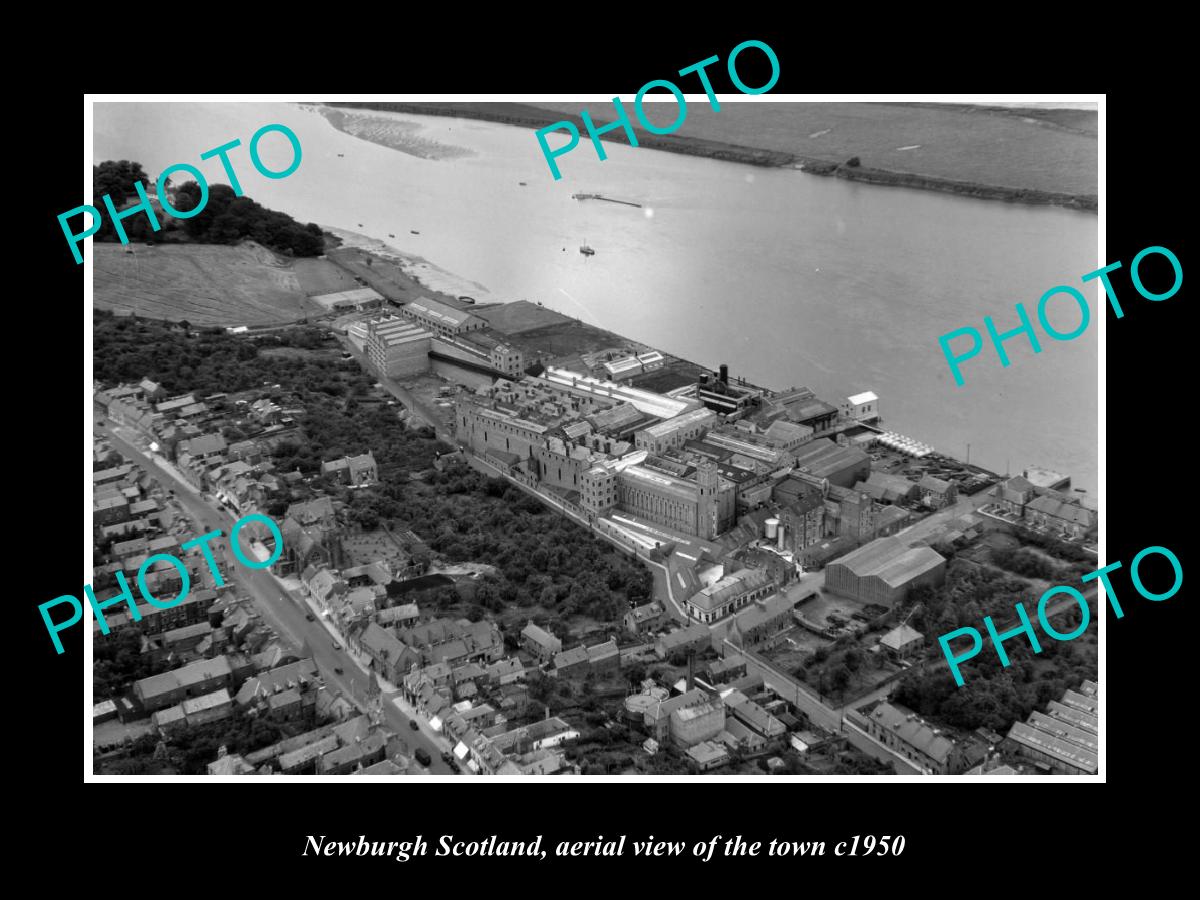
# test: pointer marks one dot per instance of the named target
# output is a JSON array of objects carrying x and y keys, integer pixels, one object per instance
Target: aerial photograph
[{"x": 444, "y": 438}]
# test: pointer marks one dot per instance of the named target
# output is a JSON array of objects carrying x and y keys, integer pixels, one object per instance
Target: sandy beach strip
[
  {"x": 393, "y": 131},
  {"x": 415, "y": 267}
]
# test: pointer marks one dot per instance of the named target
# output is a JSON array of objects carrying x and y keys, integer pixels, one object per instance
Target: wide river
[{"x": 792, "y": 279}]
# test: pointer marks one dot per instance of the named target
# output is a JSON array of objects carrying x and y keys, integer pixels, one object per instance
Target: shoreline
[
  {"x": 428, "y": 275},
  {"x": 525, "y": 115}
]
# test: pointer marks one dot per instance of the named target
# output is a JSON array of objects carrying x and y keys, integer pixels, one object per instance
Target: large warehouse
[
  {"x": 884, "y": 570},
  {"x": 397, "y": 348}
]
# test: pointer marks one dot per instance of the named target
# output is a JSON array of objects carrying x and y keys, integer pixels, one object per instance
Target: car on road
[
  {"x": 337, "y": 646},
  {"x": 450, "y": 759},
  {"x": 422, "y": 756},
  {"x": 310, "y": 617},
  {"x": 338, "y": 670},
  {"x": 412, "y": 723}
]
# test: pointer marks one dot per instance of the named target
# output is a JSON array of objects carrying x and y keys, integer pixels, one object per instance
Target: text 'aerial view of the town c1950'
[{"x": 654, "y": 469}]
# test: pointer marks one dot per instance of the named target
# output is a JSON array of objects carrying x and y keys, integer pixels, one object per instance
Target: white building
[{"x": 862, "y": 407}]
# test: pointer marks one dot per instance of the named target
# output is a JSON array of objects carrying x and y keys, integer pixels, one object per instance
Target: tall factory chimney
[{"x": 724, "y": 374}]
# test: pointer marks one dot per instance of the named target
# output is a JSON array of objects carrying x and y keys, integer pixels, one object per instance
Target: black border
[{"x": 1147, "y": 444}]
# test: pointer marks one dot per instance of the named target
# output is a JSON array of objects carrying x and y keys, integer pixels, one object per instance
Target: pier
[{"x": 609, "y": 199}]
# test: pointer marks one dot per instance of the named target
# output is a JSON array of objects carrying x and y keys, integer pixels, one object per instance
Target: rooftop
[
  {"x": 683, "y": 420},
  {"x": 358, "y": 295},
  {"x": 645, "y": 401},
  {"x": 439, "y": 312},
  {"x": 890, "y": 560},
  {"x": 911, "y": 729},
  {"x": 1072, "y": 754}
]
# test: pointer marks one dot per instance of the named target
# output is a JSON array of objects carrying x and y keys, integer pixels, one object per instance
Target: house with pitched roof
[{"x": 1052, "y": 512}]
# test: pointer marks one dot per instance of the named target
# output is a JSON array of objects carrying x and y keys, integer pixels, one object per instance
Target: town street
[{"x": 286, "y": 615}]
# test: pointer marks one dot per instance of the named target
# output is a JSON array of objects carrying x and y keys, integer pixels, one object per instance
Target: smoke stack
[
  {"x": 724, "y": 374},
  {"x": 691, "y": 679},
  {"x": 704, "y": 378}
]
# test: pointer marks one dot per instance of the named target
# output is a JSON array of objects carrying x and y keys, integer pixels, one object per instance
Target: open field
[
  {"x": 210, "y": 284},
  {"x": 1049, "y": 150},
  {"x": 1050, "y": 155}
]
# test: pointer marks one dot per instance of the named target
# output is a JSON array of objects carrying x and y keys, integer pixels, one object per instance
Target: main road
[{"x": 288, "y": 616}]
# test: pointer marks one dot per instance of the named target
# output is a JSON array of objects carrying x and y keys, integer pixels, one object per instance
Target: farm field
[
  {"x": 1043, "y": 149},
  {"x": 210, "y": 284}
]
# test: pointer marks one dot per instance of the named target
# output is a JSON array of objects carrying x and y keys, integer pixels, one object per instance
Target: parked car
[
  {"x": 412, "y": 723},
  {"x": 310, "y": 617},
  {"x": 450, "y": 759},
  {"x": 337, "y": 646},
  {"x": 338, "y": 670},
  {"x": 422, "y": 756}
]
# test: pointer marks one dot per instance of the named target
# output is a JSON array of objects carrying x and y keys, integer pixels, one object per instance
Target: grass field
[{"x": 208, "y": 284}]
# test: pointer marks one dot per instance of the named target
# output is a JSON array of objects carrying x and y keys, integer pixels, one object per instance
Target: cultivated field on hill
[{"x": 210, "y": 284}]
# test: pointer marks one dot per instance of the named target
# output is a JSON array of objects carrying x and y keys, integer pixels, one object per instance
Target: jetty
[{"x": 609, "y": 199}]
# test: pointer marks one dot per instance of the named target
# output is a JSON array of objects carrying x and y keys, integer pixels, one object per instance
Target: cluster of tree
[
  {"x": 225, "y": 219},
  {"x": 854, "y": 762},
  {"x": 228, "y": 218},
  {"x": 969, "y": 593},
  {"x": 305, "y": 337},
  {"x": 831, "y": 669},
  {"x": 1056, "y": 548},
  {"x": 127, "y": 348},
  {"x": 995, "y": 696},
  {"x": 119, "y": 662},
  {"x": 194, "y": 747},
  {"x": 544, "y": 559},
  {"x": 1022, "y": 561},
  {"x": 117, "y": 178}
]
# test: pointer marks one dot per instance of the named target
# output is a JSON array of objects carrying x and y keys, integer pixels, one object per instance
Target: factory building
[
  {"x": 839, "y": 464},
  {"x": 560, "y": 464},
  {"x": 803, "y": 407},
  {"x": 486, "y": 429},
  {"x": 702, "y": 508},
  {"x": 348, "y": 301},
  {"x": 862, "y": 407},
  {"x": 629, "y": 367},
  {"x": 691, "y": 725},
  {"x": 482, "y": 349},
  {"x": 720, "y": 396},
  {"x": 1063, "y": 740},
  {"x": 729, "y": 594},
  {"x": 397, "y": 348},
  {"x": 884, "y": 571},
  {"x": 598, "y": 490},
  {"x": 674, "y": 432},
  {"x": 586, "y": 394},
  {"x": 440, "y": 318},
  {"x": 802, "y": 524}
]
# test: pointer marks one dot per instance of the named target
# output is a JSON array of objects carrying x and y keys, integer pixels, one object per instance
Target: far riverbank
[{"x": 534, "y": 117}]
